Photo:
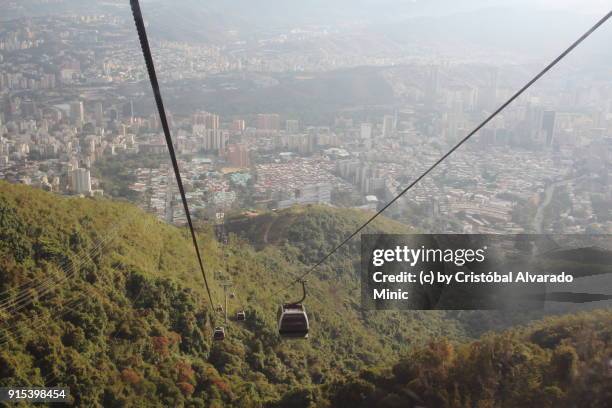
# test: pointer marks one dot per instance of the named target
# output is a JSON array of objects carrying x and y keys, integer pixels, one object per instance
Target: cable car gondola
[
  {"x": 219, "y": 333},
  {"x": 240, "y": 316},
  {"x": 292, "y": 318}
]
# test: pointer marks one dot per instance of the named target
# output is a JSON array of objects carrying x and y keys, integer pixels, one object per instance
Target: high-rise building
[
  {"x": 433, "y": 84},
  {"x": 198, "y": 118},
  {"x": 487, "y": 95},
  {"x": 89, "y": 145},
  {"x": 153, "y": 121},
  {"x": 80, "y": 181},
  {"x": 77, "y": 112},
  {"x": 388, "y": 126},
  {"x": 548, "y": 126},
  {"x": 238, "y": 125},
  {"x": 238, "y": 155},
  {"x": 366, "y": 131},
  {"x": 292, "y": 126},
  {"x": 268, "y": 121},
  {"x": 128, "y": 110},
  {"x": 215, "y": 139},
  {"x": 99, "y": 113},
  {"x": 212, "y": 121},
  {"x": 207, "y": 119}
]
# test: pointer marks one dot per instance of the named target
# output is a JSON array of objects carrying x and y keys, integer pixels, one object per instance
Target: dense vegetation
[
  {"x": 559, "y": 362},
  {"x": 116, "y": 173},
  {"x": 104, "y": 298}
]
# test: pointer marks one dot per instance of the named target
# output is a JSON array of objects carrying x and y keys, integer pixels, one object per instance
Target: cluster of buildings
[
  {"x": 207, "y": 190},
  {"x": 296, "y": 180},
  {"x": 67, "y": 111}
]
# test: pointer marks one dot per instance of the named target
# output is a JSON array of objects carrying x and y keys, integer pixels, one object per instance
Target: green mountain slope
[
  {"x": 104, "y": 298},
  {"x": 558, "y": 362},
  {"x": 299, "y": 225}
]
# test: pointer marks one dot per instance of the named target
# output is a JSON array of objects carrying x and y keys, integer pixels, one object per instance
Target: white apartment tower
[{"x": 80, "y": 181}]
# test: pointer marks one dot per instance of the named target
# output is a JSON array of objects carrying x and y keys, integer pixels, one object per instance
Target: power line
[
  {"x": 146, "y": 52},
  {"x": 452, "y": 150}
]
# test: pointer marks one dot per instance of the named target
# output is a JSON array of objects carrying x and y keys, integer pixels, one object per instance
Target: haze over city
[
  {"x": 282, "y": 110},
  {"x": 294, "y": 128}
]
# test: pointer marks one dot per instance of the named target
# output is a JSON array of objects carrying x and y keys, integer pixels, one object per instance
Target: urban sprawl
[{"x": 73, "y": 121}]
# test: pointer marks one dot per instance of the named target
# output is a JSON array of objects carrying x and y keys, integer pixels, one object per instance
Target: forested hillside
[
  {"x": 558, "y": 362},
  {"x": 103, "y": 298}
]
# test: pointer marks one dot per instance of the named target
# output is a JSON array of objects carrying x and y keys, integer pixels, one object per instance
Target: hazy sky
[
  {"x": 580, "y": 5},
  {"x": 451, "y": 6}
]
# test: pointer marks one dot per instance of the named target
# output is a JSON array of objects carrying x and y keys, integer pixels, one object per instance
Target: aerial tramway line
[
  {"x": 223, "y": 276},
  {"x": 292, "y": 317},
  {"x": 222, "y": 238}
]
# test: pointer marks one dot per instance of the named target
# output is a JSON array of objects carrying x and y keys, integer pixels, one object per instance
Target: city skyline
[
  {"x": 283, "y": 204},
  {"x": 256, "y": 129}
]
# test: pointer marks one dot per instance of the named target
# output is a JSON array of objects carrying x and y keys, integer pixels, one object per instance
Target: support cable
[
  {"x": 146, "y": 52},
  {"x": 452, "y": 150}
]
